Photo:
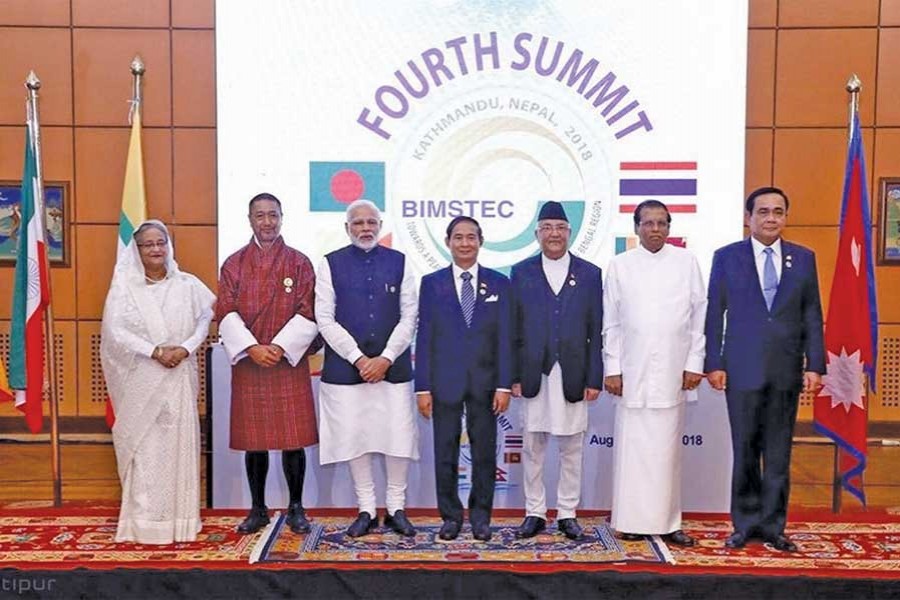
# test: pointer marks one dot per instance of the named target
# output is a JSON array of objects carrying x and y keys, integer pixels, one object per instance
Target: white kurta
[
  {"x": 654, "y": 306},
  {"x": 367, "y": 417},
  {"x": 157, "y": 432},
  {"x": 549, "y": 411}
]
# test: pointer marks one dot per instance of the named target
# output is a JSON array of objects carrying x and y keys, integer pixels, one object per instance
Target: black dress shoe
[
  {"x": 481, "y": 532},
  {"x": 530, "y": 527},
  {"x": 449, "y": 530},
  {"x": 364, "y": 523},
  {"x": 736, "y": 540},
  {"x": 570, "y": 528},
  {"x": 783, "y": 544},
  {"x": 679, "y": 538},
  {"x": 630, "y": 537},
  {"x": 257, "y": 518},
  {"x": 400, "y": 524},
  {"x": 296, "y": 518}
]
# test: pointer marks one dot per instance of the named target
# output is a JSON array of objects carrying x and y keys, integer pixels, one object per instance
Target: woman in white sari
[{"x": 154, "y": 320}]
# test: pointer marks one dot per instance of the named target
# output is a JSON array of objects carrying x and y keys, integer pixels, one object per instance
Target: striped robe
[{"x": 271, "y": 408}]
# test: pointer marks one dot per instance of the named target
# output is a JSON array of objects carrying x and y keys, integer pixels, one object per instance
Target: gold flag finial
[
  {"x": 32, "y": 82},
  {"x": 137, "y": 65}
]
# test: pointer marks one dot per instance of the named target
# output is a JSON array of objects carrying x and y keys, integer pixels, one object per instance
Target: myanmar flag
[
  {"x": 31, "y": 296},
  {"x": 134, "y": 206},
  {"x": 134, "y": 196}
]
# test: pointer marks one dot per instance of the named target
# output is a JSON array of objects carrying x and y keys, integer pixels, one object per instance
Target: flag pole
[
  {"x": 854, "y": 85},
  {"x": 34, "y": 84},
  {"x": 137, "y": 70}
]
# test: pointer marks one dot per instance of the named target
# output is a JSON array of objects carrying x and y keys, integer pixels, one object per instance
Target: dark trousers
[
  {"x": 481, "y": 425},
  {"x": 762, "y": 429}
]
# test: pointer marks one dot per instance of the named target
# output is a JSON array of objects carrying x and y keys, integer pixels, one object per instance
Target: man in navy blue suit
[
  {"x": 558, "y": 369},
  {"x": 763, "y": 346},
  {"x": 463, "y": 366}
]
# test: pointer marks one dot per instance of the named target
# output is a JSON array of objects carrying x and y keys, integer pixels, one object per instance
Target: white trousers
[
  {"x": 568, "y": 492},
  {"x": 364, "y": 482}
]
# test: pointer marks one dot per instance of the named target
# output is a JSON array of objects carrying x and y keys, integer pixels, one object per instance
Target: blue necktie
[
  {"x": 770, "y": 278},
  {"x": 467, "y": 297}
]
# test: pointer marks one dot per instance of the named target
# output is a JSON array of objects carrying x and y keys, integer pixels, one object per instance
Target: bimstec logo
[{"x": 498, "y": 154}]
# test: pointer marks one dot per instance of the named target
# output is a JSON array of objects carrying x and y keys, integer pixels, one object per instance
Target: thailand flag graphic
[
  {"x": 671, "y": 182},
  {"x": 623, "y": 244},
  {"x": 334, "y": 185}
]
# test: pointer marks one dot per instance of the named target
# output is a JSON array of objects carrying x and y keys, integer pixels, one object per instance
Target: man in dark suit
[
  {"x": 763, "y": 345},
  {"x": 463, "y": 366},
  {"x": 557, "y": 322}
]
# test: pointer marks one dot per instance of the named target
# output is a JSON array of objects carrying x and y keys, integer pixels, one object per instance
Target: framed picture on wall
[
  {"x": 889, "y": 221},
  {"x": 56, "y": 221}
]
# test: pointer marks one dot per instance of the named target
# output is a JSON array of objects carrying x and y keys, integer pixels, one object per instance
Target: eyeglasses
[
  {"x": 655, "y": 224},
  {"x": 149, "y": 245},
  {"x": 553, "y": 228}
]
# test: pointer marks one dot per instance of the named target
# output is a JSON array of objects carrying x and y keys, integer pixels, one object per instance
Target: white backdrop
[
  {"x": 486, "y": 108},
  {"x": 706, "y": 478}
]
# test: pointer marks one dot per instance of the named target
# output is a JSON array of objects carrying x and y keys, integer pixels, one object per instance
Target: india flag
[{"x": 31, "y": 296}]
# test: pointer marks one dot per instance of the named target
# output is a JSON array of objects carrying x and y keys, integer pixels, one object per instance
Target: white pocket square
[{"x": 492, "y": 298}]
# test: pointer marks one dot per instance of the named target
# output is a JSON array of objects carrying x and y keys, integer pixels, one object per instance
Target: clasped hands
[
  {"x": 372, "y": 370},
  {"x": 689, "y": 381},
  {"x": 265, "y": 355},
  {"x": 169, "y": 356},
  {"x": 426, "y": 403}
]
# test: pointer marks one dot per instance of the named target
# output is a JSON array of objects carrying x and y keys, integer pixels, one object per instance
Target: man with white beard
[{"x": 366, "y": 310}]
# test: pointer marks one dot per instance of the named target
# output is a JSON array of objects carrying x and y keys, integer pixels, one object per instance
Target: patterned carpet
[
  {"x": 837, "y": 548},
  {"x": 48, "y": 538},
  {"x": 863, "y": 545},
  {"x": 327, "y": 543}
]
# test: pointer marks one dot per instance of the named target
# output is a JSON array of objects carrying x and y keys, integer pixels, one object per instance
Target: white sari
[{"x": 157, "y": 432}]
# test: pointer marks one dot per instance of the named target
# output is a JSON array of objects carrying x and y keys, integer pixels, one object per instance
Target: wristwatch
[{"x": 156, "y": 353}]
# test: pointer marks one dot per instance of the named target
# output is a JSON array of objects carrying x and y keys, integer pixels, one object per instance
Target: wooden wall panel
[
  {"x": 120, "y": 13},
  {"x": 193, "y": 78},
  {"x": 809, "y": 167},
  {"x": 763, "y": 13},
  {"x": 101, "y": 154},
  {"x": 43, "y": 13},
  {"x": 91, "y": 387},
  {"x": 827, "y": 13},
  {"x": 96, "y": 247},
  {"x": 103, "y": 80},
  {"x": 758, "y": 160},
  {"x": 890, "y": 13},
  {"x": 195, "y": 250},
  {"x": 195, "y": 176},
  {"x": 48, "y": 53},
  {"x": 193, "y": 13},
  {"x": 760, "y": 77},
  {"x": 813, "y": 67},
  {"x": 888, "y": 89}
]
